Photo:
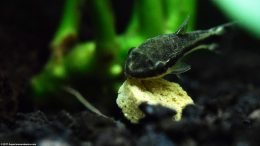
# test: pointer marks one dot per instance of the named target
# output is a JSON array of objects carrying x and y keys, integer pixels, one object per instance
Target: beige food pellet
[{"x": 155, "y": 92}]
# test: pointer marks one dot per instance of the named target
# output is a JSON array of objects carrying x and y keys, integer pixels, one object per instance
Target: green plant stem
[
  {"x": 150, "y": 17},
  {"x": 177, "y": 10},
  {"x": 68, "y": 28},
  {"x": 132, "y": 26},
  {"x": 146, "y": 21},
  {"x": 103, "y": 21},
  {"x": 106, "y": 42},
  {"x": 79, "y": 61}
]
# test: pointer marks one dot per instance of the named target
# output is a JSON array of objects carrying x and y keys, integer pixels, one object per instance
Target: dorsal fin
[
  {"x": 183, "y": 27},
  {"x": 130, "y": 50}
]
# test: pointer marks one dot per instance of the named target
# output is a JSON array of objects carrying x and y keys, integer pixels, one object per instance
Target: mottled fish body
[{"x": 156, "y": 56}]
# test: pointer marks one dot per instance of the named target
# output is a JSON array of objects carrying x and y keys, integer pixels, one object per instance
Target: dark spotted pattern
[{"x": 156, "y": 55}]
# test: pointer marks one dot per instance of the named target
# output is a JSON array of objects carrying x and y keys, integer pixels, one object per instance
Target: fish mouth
[{"x": 145, "y": 74}]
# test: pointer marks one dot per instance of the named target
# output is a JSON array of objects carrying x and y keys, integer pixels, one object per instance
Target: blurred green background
[{"x": 83, "y": 43}]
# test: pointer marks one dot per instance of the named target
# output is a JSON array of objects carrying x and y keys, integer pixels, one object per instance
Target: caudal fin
[{"x": 219, "y": 30}]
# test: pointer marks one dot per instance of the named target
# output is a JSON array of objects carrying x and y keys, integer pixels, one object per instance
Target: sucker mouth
[{"x": 145, "y": 75}]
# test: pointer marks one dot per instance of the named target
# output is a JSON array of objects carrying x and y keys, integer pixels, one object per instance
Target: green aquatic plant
[
  {"x": 105, "y": 55},
  {"x": 245, "y": 13}
]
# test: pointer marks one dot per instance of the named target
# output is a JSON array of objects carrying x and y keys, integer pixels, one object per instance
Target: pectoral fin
[
  {"x": 180, "y": 67},
  {"x": 210, "y": 47}
]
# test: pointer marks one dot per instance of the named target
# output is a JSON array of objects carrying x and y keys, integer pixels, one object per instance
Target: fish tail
[{"x": 219, "y": 30}]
